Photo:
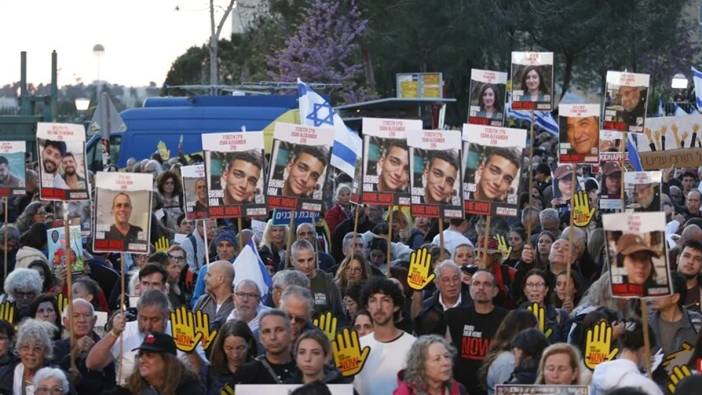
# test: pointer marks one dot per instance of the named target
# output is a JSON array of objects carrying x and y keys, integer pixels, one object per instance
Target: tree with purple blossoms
[{"x": 325, "y": 49}]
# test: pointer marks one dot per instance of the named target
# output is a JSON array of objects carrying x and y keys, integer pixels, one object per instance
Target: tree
[
  {"x": 215, "y": 31},
  {"x": 325, "y": 49}
]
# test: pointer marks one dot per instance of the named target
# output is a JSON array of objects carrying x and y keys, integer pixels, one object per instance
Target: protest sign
[
  {"x": 625, "y": 101},
  {"x": 487, "y": 97},
  {"x": 671, "y": 142},
  {"x": 492, "y": 158},
  {"x": 56, "y": 243},
  {"x": 62, "y": 167},
  {"x": 122, "y": 212},
  {"x": 386, "y": 161},
  {"x": 13, "y": 172},
  {"x": 532, "y": 80},
  {"x": 636, "y": 251},
  {"x": 579, "y": 139},
  {"x": 435, "y": 179},
  {"x": 298, "y": 169},
  {"x": 642, "y": 190},
  {"x": 194, "y": 191},
  {"x": 234, "y": 169}
]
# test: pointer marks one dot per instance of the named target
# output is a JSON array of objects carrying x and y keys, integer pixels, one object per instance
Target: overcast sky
[{"x": 141, "y": 38}]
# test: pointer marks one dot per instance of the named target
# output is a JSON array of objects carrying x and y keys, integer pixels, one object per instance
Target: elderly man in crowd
[
  {"x": 429, "y": 314},
  {"x": 247, "y": 299}
]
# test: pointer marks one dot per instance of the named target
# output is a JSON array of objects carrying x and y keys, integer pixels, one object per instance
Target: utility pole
[{"x": 215, "y": 31}]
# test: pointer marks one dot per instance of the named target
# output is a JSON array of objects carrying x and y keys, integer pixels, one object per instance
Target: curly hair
[
  {"x": 341, "y": 277},
  {"x": 169, "y": 175},
  {"x": 36, "y": 332},
  {"x": 415, "y": 374},
  {"x": 23, "y": 279}
]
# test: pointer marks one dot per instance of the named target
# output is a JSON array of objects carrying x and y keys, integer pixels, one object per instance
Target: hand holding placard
[
  {"x": 202, "y": 326},
  {"x": 540, "y": 314},
  {"x": 503, "y": 247},
  {"x": 679, "y": 373},
  {"x": 348, "y": 356},
  {"x": 420, "y": 263},
  {"x": 7, "y": 312}
]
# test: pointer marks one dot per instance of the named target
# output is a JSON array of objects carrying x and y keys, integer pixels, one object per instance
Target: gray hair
[
  {"x": 287, "y": 277},
  {"x": 415, "y": 374},
  {"x": 300, "y": 245},
  {"x": 549, "y": 214},
  {"x": 348, "y": 239},
  {"x": 298, "y": 292},
  {"x": 154, "y": 297},
  {"x": 247, "y": 282},
  {"x": 579, "y": 236},
  {"x": 78, "y": 301},
  {"x": 447, "y": 264},
  {"x": 37, "y": 332},
  {"x": 13, "y": 232},
  {"x": 304, "y": 225},
  {"x": 23, "y": 279},
  {"x": 51, "y": 373}
]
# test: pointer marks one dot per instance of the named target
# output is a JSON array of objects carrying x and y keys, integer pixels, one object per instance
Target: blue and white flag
[
  {"x": 318, "y": 112},
  {"x": 661, "y": 110},
  {"x": 697, "y": 79},
  {"x": 543, "y": 119},
  {"x": 633, "y": 153},
  {"x": 680, "y": 112},
  {"x": 248, "y": 265}
]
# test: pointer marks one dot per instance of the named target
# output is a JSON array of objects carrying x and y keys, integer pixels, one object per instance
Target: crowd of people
[{"x": 495, "y": 313}]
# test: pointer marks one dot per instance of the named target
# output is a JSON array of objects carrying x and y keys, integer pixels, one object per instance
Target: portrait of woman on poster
[
  {"x": 534, "y": 85},
  {"x": 489, "y": 102}
]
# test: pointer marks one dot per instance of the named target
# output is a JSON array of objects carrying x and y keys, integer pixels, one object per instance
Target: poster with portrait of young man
[
  {"x": 122, "y": 212},
  {"x": 13, "y": 171},
  {"x": 487, "y": 97},
  {"x": 62, "y": 166},
  {"x": 642, "y": 190},
  {"x": 636, "y": 252},
  {"x": 491, "y": 160},
  {"x": 435, "y": 179},
  {"x": 194, "y": 191},
  {"x": 579, "y": 138},
  {"x": 299, "y": 167},
  {"x": 532, "y": 81},
  {"x": 625, "y": 101},
  {"x": 386, "y": 175},
  {"x": 235, "y": 172}
]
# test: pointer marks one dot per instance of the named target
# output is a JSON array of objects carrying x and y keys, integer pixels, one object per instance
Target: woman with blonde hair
[
  {"x": 272, "y": 246},
  {"x": 560, "y": 364},
  {"x": 351, "y": 271}
]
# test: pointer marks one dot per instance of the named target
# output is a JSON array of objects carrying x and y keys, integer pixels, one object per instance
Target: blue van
[{"x": 166, "y": 119}]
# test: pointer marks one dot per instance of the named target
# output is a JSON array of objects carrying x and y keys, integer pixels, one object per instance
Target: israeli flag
[
  {"x": 633, "y": 153},
  {"x": 248, "y": 265},
  {"x": 543, "y": 119},
  {"x": 315, "y": 111},
  {"x": 697, "y": 79}
]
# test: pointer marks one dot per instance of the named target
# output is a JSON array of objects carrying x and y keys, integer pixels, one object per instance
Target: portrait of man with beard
[
  {"x": 70, "y": 173},
  {"x": 51, "y": 158}
]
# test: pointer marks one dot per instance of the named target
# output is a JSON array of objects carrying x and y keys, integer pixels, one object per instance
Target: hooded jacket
[{"x": 621, "y": 373}]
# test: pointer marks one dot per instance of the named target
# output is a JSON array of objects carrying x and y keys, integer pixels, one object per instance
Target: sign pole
[
  {"x": 359, "y": 207},
  {"x": 123, "y": 258},
  {"x": 288, "y": 244},
  {"x": 647, "y": 338},
  {"x": 389, "y": 240},
  {"x": 486, "y": 237},
  {"x": 530, "y": 171},
  {"x": 623, "y": 169},
  {"x": 241, "y": 241},
  {"x": 6, "y": 235},
  {"x": 69, "y": 282},
  {"x": 441, "y": 238}
]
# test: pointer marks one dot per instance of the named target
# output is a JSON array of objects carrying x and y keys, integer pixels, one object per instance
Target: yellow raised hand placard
[
  {"x": 420, "y": 265},
  {"x": 348, "y": 356},
  {"x": 598, "y": 344},
  {"x": 679, "y": 357},
  {"x": 327, "y": 323},
  {"x": 227, "y": 390},
  {"x": 582, "y": 212},
  {"x": 183, "y": 329},
  {"x": 502, "y": 246},
  {"x": 62, "y": 302},
  {"x": 678, "y": 373},
  {"x": 202, "y": 326},
  {"x": 162, "y": 244},
  {"x": 540, "y": 314},
  {"x": 7, "y": 312}
]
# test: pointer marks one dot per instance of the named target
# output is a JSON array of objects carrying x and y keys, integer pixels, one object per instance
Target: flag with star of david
[{"x": 318, "y": 112}]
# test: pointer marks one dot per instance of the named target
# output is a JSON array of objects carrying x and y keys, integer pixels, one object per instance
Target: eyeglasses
[
  {"x": 535, "y": 285},
  {"x": 49, "y": 391},
  {"x": 176, "y": 257},
  {"x": 298, "y": 320},
  {"x": 245, "y": 295}
]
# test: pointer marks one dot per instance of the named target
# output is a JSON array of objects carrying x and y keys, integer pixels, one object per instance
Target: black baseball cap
[{"x": 158, "y": 342}]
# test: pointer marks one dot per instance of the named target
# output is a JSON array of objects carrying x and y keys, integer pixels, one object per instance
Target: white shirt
[
  {"x": 385, "y": 360},
  {"x": 253, "y": 324},
  {"x": 445, "y": 306},
  {"x": 53, "y": 181}
]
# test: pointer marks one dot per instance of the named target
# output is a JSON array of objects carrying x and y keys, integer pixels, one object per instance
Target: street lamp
[
  {"x": 679, "y": 81},
  {"x": 82, "y": 104}
]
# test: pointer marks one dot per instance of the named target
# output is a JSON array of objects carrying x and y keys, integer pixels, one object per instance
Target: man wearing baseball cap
[{"x": 636, "y": 256}]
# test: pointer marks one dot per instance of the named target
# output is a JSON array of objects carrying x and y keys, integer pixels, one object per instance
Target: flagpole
[{"x": 530, "y": 171}]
